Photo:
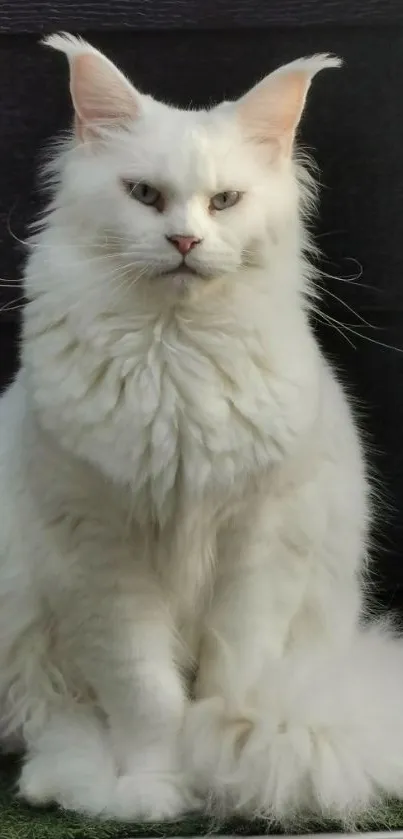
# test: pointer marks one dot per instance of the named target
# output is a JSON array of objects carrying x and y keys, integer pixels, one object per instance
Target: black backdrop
[{"x": 200, "y": 51}]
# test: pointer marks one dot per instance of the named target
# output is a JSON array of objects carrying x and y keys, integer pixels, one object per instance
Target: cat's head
[{"x": 183, "y": 196}]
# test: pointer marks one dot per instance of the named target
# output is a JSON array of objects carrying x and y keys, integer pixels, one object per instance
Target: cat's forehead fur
[{"x": 193, "y": 151}]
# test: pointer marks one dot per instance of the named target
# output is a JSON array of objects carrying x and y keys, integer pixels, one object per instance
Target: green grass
[{"x": 18, "y": 821}]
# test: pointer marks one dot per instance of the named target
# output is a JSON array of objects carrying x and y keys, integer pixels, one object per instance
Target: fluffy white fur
[
  {"x": 184, "y": 501},
  {"x": 322, "y": 734}
]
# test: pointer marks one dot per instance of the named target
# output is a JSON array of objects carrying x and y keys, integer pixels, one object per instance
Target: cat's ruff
[{"x": 183, "y": 493}]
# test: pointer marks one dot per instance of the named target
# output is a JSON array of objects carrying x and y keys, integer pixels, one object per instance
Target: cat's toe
[{"x": 152, "y": 797}]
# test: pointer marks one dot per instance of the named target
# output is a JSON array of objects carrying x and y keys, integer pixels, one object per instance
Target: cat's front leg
[
  {"x": 129, "y": 662},
  {"x": 114, "y": 629},
  {"x": 283, "y": 570},
  {"x": 260, "y": 584}
]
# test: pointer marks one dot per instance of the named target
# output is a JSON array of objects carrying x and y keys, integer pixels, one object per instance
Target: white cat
[{"x": 184, "y": 501}]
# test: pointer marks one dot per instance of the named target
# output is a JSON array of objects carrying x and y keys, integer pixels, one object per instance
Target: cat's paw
[
  {"x": 152, "y": 797},
  {"x": 52, "y": 780}
]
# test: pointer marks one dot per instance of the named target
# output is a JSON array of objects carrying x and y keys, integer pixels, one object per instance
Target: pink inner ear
[
  {"x": 100, "y": 92},
  {"x": 272, "y": 110},
  {"x": 292, "y": 94}
]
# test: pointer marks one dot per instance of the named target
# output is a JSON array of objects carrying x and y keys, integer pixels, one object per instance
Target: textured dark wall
[
  {"x": 354, "y": 124},
  {"x": 47, "y": 15}
]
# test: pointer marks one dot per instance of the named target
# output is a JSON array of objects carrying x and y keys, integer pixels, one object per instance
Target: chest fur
[{"x": 174, "y": 412}]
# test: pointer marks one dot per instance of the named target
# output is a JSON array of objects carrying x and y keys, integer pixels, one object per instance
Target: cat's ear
[
  {"x": 102, "y": 96},
  {"x": 271, "y": 111}
]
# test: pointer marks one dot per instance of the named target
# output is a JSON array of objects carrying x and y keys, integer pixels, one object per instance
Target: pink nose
[{"x": 183, "y": 244}]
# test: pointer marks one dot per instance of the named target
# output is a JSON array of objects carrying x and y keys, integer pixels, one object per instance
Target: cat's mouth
[{"x": 183, "y": 269}]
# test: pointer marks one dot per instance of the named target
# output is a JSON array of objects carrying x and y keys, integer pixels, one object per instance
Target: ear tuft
[
  {"x": 69, "y": 44},
  {"x": 312, "y": 64},
  {"x": 101, "y": 95},
  {"x": 271, "y": 111}
]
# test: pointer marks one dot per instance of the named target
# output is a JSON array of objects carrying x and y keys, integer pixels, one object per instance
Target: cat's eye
[
  {"x": 145, "y": 193},
  {"x": 224, "y": 200}
]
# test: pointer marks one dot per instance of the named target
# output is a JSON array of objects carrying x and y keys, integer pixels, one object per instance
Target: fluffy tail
[{"x": 325, "y": 735}]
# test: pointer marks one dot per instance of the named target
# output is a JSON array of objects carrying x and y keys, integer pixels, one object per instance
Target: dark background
[{"x": 201, "y": 51}]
